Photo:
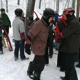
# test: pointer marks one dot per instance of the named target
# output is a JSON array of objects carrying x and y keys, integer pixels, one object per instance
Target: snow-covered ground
[{"x": 17, "y": 70}]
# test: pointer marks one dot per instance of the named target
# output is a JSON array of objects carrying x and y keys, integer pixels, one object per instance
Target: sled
[
  {"x": 4, "y": 42},
  {"x": 8, "y": 41}
]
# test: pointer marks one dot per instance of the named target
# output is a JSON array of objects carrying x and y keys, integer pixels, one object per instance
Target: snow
[{"x": 17, "y": 70}]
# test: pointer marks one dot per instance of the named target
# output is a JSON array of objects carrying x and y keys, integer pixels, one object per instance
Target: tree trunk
[
  {"x": 18, "y": 2},
  {"x": 6, "y": 5},
  {"x": 77, "y": 13},
  {"x": 73, "y": 4},
  {"x": 57, "y": 5},
  {"x": 1, "y": 4},
  {"x": 40, "y": 4},
  {"x": 29, "y": 8}
]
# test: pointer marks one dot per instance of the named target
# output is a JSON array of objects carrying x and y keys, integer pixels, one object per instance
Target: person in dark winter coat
[
  {"x": 78, "y": 65},
  {"x": 70, "y": 37},
  {"x": 30, "y": 25},
  {"x": 61, "y": 25},
  {"x": 38, "y": 35},
  {"x": 19, "y": 35},
  {"x": 5, "y": 20},
  {"x": 1, "y": 47},
  {"x": 49, "y": 46}
]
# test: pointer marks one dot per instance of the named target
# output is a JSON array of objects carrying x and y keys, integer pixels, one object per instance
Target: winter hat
[
  {"x": 48, "y": 12},
  {"x": 30, "y": 17}
]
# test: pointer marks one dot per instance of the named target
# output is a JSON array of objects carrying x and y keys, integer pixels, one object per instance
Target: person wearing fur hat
[
  {"x": 37, "y": 36},
  {"x": 70, "y": 39}
]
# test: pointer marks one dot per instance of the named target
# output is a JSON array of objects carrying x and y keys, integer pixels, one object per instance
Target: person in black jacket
[
  {"x": 78, "y": 65},
  {"x": 61, "y": 25},
  {"x": 1, "y": 26},
  {"x": 70, "y": 44},
  {"x": 49, "y": 46},
  {"x": 30, "y": 25}
]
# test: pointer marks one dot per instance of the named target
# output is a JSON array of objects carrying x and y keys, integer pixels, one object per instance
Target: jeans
[{"x": 19, "y": 44}]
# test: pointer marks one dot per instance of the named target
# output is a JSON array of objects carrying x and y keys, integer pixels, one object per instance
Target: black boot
[
  {"x": 36, "y": 76},
  {"x": 78, "y": 65},
  {"x": 30, "y": 70},
  {"x": 63, "y": 78}
]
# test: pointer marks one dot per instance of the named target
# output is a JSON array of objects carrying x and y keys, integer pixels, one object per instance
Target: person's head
[
  {"x": 69, "y": 12},
  {"x": 56, "y": 12},
  {"x": 18, "y": 12},
  {"x": 48, "y": 15},
  {"x": 2, "y": 10},
  {"x": 30, "y": 18}
]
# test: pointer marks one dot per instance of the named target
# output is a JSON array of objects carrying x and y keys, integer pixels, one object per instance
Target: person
[
  {"x": 30, "y": 25},
  {"x": 70, "y": 36},
  {"x": 56, "y": 16},
  {"x": 49, "y": 45},
  {"x": 19, "y": 34},
  {"x": 79, "y": 19},
  {"x": 5, "y": 20},
  {"x": 38, "y": 35},
  {"x": 1, "y": 46},
  {"x": 78, "y": 65},
  {"x": 60, "y": 26}
]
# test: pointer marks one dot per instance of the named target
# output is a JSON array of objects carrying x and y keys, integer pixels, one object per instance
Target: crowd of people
[{"x": 39, "y": 38}]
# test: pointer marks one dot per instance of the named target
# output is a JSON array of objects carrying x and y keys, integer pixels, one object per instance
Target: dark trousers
[
  {"x": 70, "y": 72},
  {"x": 6, "y": 28},
  {"x": 0, "y": 43},
  {"x": 79, "y": 55},
  {"x": 46, "y": 56},
  {"x": 61, "y": 61},
  {"x": 19, "y": 45},
  {"x": 50, "y": 46},
  {"x": 37, "y": 65},
  {"x": 27, "y": 49}
]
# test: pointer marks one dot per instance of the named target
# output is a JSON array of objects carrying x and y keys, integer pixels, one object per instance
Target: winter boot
[
  {"x": 30, "y": 70},
  {"x": 36, "y": 76},
  {"x": 1, "y": 51},
  {"x": 63, "y": 78},
  {"x": 78, "y": 65}
]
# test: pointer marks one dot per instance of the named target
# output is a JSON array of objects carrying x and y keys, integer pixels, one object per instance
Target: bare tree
[
  {"x": 1, "y": 4},
  {"x": 78, "y": 5},
  {"x": 40, "y": 4},
  {"x": 18, "y": 2},
  {"x": 57, "y": 5},
  {"x": 6, "y": 5},
  {"x": 73, "y": 4},
  {"x": 29, "y": 8}
]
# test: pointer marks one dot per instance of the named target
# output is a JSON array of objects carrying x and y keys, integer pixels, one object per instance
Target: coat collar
[{"x": 44, "y": 22}]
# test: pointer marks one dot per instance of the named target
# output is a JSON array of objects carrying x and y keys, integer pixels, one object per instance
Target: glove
[{"x": 23, "y": 37}]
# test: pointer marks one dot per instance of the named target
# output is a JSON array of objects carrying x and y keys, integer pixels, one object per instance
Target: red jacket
[{"x": 60, "y": 26}]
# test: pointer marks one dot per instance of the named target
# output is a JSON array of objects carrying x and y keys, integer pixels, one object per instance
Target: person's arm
[
  {"x": 33, "y": 32},
  {"x": 69, "y": 30}
]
